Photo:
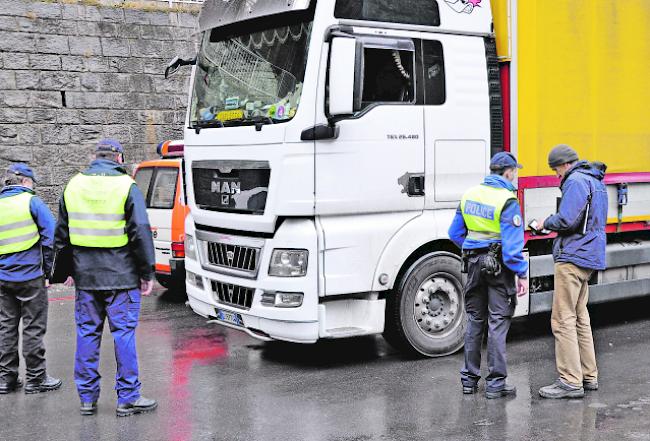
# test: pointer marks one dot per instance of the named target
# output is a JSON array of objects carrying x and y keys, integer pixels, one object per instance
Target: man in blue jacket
[
  {"x": 489, "y": 219},
  {"x": 103, "y": 217},
  {"x": 26, "y": 240},
  {"x": 578, "y": 251}
]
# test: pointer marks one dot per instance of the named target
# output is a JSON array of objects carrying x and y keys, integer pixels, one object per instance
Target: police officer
[
  {"x": 102, "y": 215},
  {"x": 488, "y": 228},
  {"x": 26, "y": 240}
]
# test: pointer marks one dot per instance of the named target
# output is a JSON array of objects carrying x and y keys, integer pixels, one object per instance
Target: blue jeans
[{"x": 123, "y": 310}]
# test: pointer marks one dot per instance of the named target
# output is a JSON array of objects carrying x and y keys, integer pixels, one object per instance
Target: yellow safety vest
[
  {"x": 481, "y": 207},
  {"x": 95, "y": 205},
  {"x": 18, "y": 231}
]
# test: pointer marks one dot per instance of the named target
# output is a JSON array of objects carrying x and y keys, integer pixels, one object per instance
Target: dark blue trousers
[
  {"x": 489, "y": 301},
  {"x": 123, "y": 310}
]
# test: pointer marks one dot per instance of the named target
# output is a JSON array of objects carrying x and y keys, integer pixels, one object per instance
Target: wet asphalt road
[{"x": 218, "y": 384}]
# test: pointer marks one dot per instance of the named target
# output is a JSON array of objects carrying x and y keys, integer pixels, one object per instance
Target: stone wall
[{"x": 72, "y": 73}]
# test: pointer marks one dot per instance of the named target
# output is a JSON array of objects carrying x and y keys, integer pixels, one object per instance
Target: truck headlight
[
  {"x": 288, "y": 263},
  {"x": 282, "y": 299},
  {"x": 190, "y": 247}
]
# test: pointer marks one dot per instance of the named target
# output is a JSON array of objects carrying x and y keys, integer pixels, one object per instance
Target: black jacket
[{"x": 105, "y": 269}]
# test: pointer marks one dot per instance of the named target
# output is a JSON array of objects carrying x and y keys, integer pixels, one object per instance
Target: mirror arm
[{"x": 176, "y": 63}]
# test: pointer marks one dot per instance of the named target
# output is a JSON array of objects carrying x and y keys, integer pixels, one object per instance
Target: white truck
[{"x": 327, "y": 145}]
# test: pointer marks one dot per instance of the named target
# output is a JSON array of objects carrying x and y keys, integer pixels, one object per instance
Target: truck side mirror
[
  {"x": 343, "y": 70},
  {"x": 175, "y": 64}
]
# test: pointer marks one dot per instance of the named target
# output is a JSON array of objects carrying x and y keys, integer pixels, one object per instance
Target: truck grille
[
  {"x": 233, "y": 295},
  {"x": 233, "y": 256}
]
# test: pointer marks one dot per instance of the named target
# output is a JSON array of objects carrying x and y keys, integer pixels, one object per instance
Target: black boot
[
  {"x": 44, "y": 385},
  {"x": 7, "y": 388},
  {"x": 140, "y": 405},
  {"x": 507, "y": 390},
  {"x": 89, "y": 408}
]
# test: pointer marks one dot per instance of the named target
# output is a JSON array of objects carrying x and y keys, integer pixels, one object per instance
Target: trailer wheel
[{"x": 425, "y": 314}]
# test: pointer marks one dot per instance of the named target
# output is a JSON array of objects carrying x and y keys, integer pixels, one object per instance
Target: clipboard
[{"x": 62, "y": 265}]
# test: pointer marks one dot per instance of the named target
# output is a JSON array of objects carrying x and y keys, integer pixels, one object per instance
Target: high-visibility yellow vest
[
  {"x": 95, "y": 205},
  {"x": 18, "y": 231},
  {"x": 481, "y": 207}
]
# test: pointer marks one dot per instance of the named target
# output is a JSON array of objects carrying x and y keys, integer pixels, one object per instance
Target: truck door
[
  {"x": 376, "y": 165},
  {"x": 456, "y": 117}
]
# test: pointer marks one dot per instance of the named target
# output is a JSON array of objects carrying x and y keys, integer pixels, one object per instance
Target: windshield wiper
[{"x": 214, "y": 123}]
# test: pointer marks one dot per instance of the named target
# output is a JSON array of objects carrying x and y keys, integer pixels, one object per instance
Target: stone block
[
  {"x": 77, "y": 155},
  {"x": 44, "y": 62},
  {"x": 141, "y": 83},
  {"x": 161, "y": 102},
  {"x": 128, "y": 101},
  {"x": 52, "y": 44},
  {"x": 8, "y": 23},
  {"x": 146, "y": 48},
  {"x": 11, "y": 41},
  {"x": 89, "y": 100},
  {"x": 28, "y": 79},
  {"x": 114, "y": 82},
  {"x": 134, "y": 16},
  {"x": 119, "y": 132},
  {"x": 115, "y": 47},
  {"x": 164, "y": 33},
  {"x": 45, "y": 99},
  {"x": 14, "y": 60},
  {"x": 128, "y": 31},
  {"x": 126, "y": 65},
  {"x": 8, "y": 133},
  {"x": 47, "y": 26},
  {"x": 42, "y": 116},
  {"x": 92, "y": 116},
  {"x": 104, "y": 14},
  {"x": 86, "y": 46},
  {"x": 12, "y": 115},
  {"x": 14, "y": 98},
  {"x": 7, "y": 80},
  {"x": 73, "y": 63},
  {"x": 83, "y": 134},
  {"x": 144, "y": 134},
  {"x": 59, "y": 81},
  {"x": 55, "y": 134},
  {"x": 28, "y": 134},
  {"x": 46, "y": 10},
  {"x": 70, "y": 12},
  {"x": 188, "y": 20},
  {"x": 156, "y": 66},
  {"x": 90, "y": 82},
  {"x": 98, "y": 64},
  {"x": 122, "y": 117},
  {"x": 159, "y": 18},
  {"x": 67, "y": 116},
  {"x": 15, "y": 153}
]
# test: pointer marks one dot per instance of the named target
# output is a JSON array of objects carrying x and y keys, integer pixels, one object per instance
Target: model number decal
[{"x": 402, "y": 137}]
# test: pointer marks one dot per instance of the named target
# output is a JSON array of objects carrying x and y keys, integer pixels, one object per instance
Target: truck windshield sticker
[{"x": 463, "y": 6}]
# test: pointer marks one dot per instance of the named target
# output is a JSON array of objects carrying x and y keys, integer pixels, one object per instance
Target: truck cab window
[
  {"x": 434, "y": 72},
  {"x": 417, "y": 12},
  {"x": 387, "y": 77}
]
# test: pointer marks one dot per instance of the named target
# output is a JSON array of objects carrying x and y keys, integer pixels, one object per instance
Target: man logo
[{"x": 230, "y": 255}]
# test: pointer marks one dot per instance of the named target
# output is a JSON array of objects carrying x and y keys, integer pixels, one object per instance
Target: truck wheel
[{"x": 425, "y": 314}]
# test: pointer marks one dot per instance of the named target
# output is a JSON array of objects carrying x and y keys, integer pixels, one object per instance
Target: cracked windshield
[{"x": 250, "y": 77}]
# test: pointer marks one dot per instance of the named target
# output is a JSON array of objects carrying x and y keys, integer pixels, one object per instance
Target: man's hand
[
  {"x": 47, "y": 283},
  {"x": 69, "y": 282},
  {"x": 146, "y": 286},
  {"x": 522, "y": 287}
]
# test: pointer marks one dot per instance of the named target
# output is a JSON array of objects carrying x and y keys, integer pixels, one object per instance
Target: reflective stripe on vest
[
  {"x": 95, "y": 205},
  {"x": 481, "y": 207},
  {"x": 18, "y": 231}
]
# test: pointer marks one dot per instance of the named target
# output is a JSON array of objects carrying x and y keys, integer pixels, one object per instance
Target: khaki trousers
[{"x": 574, "y": 345}]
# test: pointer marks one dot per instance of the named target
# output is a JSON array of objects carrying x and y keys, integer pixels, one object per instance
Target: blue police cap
[
  {"x": 109, "y": 145},
  {"x": 504, "y": 160},
  {"x": 21, "y": 169}
]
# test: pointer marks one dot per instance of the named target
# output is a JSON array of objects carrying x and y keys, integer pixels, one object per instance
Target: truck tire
[{"x": 425, "y": 313}]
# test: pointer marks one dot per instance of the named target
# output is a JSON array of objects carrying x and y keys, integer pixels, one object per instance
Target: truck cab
[{"x": 327, "y": 146}]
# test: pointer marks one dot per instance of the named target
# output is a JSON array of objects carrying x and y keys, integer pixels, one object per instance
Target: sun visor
[{"x": 217, "y": 13}]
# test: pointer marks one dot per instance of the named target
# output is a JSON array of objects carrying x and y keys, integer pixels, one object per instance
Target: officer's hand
[
  {"x": 69, "y": 282},
  {"x": 146, "y": 286},
  {"x": 47, "y": 283},
  {"x": 522, "y": 287}
]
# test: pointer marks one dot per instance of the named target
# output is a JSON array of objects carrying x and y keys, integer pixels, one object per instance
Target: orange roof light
[{"x": 171, "y": 149}]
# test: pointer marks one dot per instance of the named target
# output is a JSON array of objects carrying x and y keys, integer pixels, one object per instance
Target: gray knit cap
[{"x": 561, "y": 154}]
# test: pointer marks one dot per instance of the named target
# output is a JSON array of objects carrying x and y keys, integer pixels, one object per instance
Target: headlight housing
[
  {"x": 190, "y": 247},
  {"x": 288, "y": 263},
  {"x": 282, "y": 299}
]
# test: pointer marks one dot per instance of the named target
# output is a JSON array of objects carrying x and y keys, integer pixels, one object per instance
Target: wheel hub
[{"x": 436, "y": 305}]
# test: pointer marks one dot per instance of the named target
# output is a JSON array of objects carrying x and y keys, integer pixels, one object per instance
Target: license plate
[{"x": 229, "y": 317}]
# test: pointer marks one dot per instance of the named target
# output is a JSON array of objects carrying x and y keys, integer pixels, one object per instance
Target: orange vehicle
[{"x": 161, "y": 183}]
